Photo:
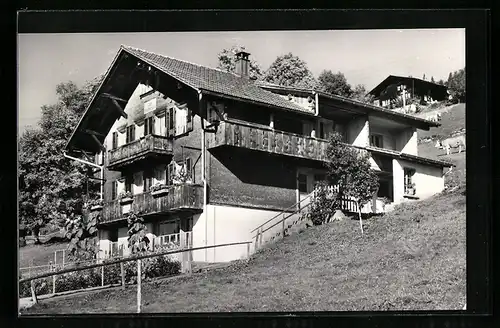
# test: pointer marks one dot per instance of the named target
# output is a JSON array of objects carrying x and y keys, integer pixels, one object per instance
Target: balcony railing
[
  {"x": 257, "y": 137},
  {"x": 150, "y": 145},
  {"x": 185, "y": 197}
]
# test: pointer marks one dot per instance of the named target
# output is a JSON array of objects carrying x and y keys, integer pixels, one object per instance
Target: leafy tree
[
  {"x": 441, "y": 82},
  {"x": 334, "y": 83},
  {"x": 456, "y": 85},
  {"x": 351, "y": 171},
  {"x": 81, "y": 230},
  {"x": 359, "y": 93},
  {"x": 290, "y": 70},
  {"x": 227, "y": 62},
  {"x": 137, "y": 239},
  {"x": 52, "y": 187},
  {"x": 423, "y": 77},
  {"x": 432, "y": 79}
]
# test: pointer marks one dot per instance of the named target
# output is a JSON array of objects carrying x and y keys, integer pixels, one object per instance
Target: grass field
[
  {"x": 452, "y": 119},
  {"x": 410, "y": 259},
  {"x": 39, "y": 254}
]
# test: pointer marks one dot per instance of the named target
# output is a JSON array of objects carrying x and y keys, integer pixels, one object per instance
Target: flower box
[
  {"x": 126, "y": 198},
  {"x": 160, "y": 192}
]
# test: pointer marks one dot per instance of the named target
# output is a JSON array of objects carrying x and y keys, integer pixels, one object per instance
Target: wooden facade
[
  {"x": 185, "y": 197},
  {"x": 257, "y": 137},
  {"x": 137, "y": 150}
]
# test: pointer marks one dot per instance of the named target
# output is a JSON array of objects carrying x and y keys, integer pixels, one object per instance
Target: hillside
[
  {"x": 452, "y": 119},
  {"x": 412, "y": 258}
]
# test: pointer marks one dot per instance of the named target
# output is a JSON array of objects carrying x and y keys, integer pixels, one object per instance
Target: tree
[
  {"x": 423, "y": 77},
  {"x": 137, "y": 239},
  {"x": 351, "y": 171},
  {"x": 334, "y": 83},
  {"x": 290, "y": 70},
  {"x": 81, "y": 231},
  {"x": 441, "y": 82},
  {"x": 456, "y": 85},
  {"x": 53, "y": 187},
  {"x": 227, "y": 62},
  {"x": 359, "y": 93},
  {"x": 432, "y": 79}
]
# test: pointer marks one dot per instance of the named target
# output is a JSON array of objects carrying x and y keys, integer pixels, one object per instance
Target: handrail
[
  {"x": 282, "y": 212},
  {"x": 127, "y": 259},
  {"x": 284, "y": 218}
]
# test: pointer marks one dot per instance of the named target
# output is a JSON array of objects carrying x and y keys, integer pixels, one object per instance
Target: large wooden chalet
[{"x": 215, "y": 154}]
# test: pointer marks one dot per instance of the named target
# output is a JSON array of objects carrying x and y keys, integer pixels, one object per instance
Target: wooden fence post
[
  {"x": 122, "y": 270},
  {"x": 139, "y": 286},
  {"x": 102, "y": 275},
  {"x": 54, "y": 280},
  {"x": 248, "y": 250},
  {"x": 33, "y": 293},
  {"x": 283, "y": 226}
]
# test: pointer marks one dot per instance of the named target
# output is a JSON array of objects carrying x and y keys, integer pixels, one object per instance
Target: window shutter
[
  {"x": 189, "y": 121},
  {"x": 171, "y": 127},
  {"x": 189, "y": 168},
  {"x": 167, "y": 120},
  {"x": 132, "y": 133},
  {"x": 170, "y": 173},
  {"x": 115, "y": 140}
]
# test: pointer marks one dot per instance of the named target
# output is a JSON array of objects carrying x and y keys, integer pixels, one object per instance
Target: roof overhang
[
  {"x": 411, "y": 158},
  {"x": 108, "y": 102}
]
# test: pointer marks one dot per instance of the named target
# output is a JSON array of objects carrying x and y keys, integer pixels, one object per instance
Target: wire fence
[{"x": 117, "y": 271}]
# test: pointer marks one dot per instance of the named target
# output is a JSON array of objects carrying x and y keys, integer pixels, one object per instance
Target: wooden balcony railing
[
  {"x": 186, "y": 197},
  {"x": 150, "y": 145},
  {"x": 261, "y": 138}
]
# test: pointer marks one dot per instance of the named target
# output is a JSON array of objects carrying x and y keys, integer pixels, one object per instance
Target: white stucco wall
[
  {"x": 226, "y": 224},
  {"x": 358, "y": 132},
  {"x": 406, "y": 141},
  {"x": 429, "y": 180}
]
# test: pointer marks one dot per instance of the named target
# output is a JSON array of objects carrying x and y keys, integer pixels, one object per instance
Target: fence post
[
  {"x": 248, "y": 250},
  {"x": 33, "y": 293},
  {"x": 139, "y": 286},
  {"x": 283, "y": 226},
  {"x": 53, "y": 280},
  {"x": 122, "y": 269},
  {"x": 102, "y": 275}
]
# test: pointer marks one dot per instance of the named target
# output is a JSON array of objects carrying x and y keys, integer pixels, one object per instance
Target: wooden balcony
[
  {"x": 186, "y": 197},
  {"x": 260, "y": 138},
  {"x": 138, "y": 150}
]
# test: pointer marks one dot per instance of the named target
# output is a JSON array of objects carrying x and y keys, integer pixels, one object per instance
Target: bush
[{"x": 160, "y": 266}]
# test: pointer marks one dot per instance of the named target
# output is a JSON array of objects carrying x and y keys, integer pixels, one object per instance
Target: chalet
[
  {"x": 397, "y": 91},
  {"x": 211, "y": 155}
]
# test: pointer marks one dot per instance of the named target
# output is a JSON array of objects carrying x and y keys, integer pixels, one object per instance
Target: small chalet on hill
[
  {"x": 212, "y": 154},
  {"x": 398, "y": 91}
]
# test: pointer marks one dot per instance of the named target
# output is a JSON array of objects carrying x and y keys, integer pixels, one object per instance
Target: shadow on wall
[{"x": 254, "y": 168}]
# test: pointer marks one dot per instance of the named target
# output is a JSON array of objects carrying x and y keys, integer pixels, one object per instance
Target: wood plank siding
[
  {"x": 186, "y": 197},
  {"x": 148, "y": 146}
]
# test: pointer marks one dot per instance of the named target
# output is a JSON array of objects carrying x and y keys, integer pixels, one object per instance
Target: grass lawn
[
  {"x": 410, "y": 259},
  {"x": 40, "y": 254}
]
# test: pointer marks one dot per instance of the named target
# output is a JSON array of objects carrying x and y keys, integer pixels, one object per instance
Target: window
[
  {"x": 321, "y": 130},
  {"x": 129, "y": 180},
  {"x": 113, "y": 235},
  {"x": 302, "y": 183},
  {"x": 170, "y": 173},
  {"x": 408, "y": 181},
  {"x": 170, "y": 121},
  {"x": 115, "y": 140},
  {"x": 114, "y": 190},
  {"x": 130, "y": 133},
  {"x": 149, "y": 125},
  {"x": 147, "y": 180},
  {"x": 376, "y": 141},
  {"x": 189, "y": 168}
]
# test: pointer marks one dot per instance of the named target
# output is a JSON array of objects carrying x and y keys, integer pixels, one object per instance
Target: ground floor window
[
  {"x": 385, "y": 189},
  {"x": 302, "y": 183},
  {"x": 409, "y": 184},
  {"x": 113, "y": 235}
]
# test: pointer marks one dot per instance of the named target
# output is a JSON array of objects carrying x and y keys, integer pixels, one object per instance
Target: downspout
[
  {"x": 101, "y": 167},
  {"x": 203, "y": 177}
]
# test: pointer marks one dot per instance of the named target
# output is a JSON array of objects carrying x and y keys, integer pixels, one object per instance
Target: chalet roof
[
  {"x": 413, "y": 120},
  {"x": 214, "y": 80},
  {"x": 419, "y": 83}
]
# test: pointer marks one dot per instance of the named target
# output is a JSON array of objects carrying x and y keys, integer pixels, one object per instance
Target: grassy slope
[
  {"x": 412, "y": 258},
  {"x": 452, "y": 119}
]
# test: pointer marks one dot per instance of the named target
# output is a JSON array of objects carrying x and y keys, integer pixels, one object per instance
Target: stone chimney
[{"x": 242, "y": 63}]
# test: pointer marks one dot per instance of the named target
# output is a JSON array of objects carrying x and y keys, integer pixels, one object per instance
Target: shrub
[
  {"x": 160, "y": 266},
  {"x": 323, "y": 205}
]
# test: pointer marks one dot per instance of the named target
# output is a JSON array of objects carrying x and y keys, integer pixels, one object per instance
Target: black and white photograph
[{"x": 242, "y": 171}]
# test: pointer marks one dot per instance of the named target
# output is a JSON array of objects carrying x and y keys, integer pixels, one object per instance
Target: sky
[{"x": 364, "y": 56}]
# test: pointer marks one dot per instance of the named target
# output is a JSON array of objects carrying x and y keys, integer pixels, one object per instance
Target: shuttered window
[
  {"x": 114, "y": 144},
  {"x": 149, "y": 125},
  {"x": 114, "y": 190},
  {"x": 130, "y": 133},
  {"x": 147, "y": 180},
  {"x": 170, "y": 173}
]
